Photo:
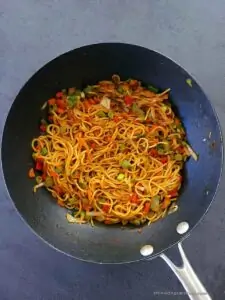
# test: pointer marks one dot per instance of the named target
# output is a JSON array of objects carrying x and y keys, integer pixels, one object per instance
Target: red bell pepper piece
[
  {"x": 43, "y": 128},
  {"x": 128, "y": 100},
  {"x": 173, "y": 193},
  {"x": 39, "y": 165},
  {"x": 164, "y": 159},
  {"x": 59, "y": 95},
  {"x": 51, "y": 101},
  {"x": 60, "y": 103},
  {"x": 134, "y": 198}
]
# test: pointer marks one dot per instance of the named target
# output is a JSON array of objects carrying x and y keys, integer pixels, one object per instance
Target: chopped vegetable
[
  {"x": 164, "y": 159},
  {"x": 51, "y": 101},
  {"x": 106, "y": 207},
  {"x": 137, "y": 110},
  {"x": 152, "y": 89},
  {"x": 38, "y": 179},
  {"x": 53, "y": 174},
  {"x": 71, "y": 91},
  {"x": 116, "y": 119},
  {"x": 192, "y": 153},
  {"x": 189, "y": 82},
  {"x": 101, "y": 114},
  {"x": 38, "y": 186},
  {"x": 88, "y": 89},
  {"x": 82, "y": 214},
  {"x": 147, "y": 207},
  {"x": 120, "y": 177},
  {"x": 83, "y": 185},
  {"x": 153, "y": 152},
  {"x": 164, "y": 107},
  {"x": 82, "y": 94},
  {"x": 43, "y": 128},
  {"x": 110, "y": 114},
  {"x": 60, "y": 110},
  {"x": 141, "y": 188},
  {"x": 44, "y": 151},
  {"x": 128, "y": 100},
  {"x": 60, "y": 103},
  {"x": 39, "y": 165},
  {"x": 178, "y": 157},
  {"x": 134, "y": 198},
  {"x": 52, "y": 108},
  {"x": 31, "y": 173},
  {"x": 49, "y": 181},
  {"x": 116, "y": 79},
  {"x": 155, "y": 203},
  {"x": 166, "y": 202},
  {"x": 44, "y": 105},
  {"x": 136, "y": 222},
  {"x": 122, "y": 147},
  {"x": 173, "y": 193},
  {"x": 172, "y": 209},
  {"x": 121, "y": 90},
  {"x": 125, "y": 164},
  {"x": 59, "y": 169},
  {"x": 73, "y": 100},
  {"x": 94, "y": 214},
  {"x": 70, "y": 218},
  {"x": 59, "y": 95},
  {"x": 160, "y": 148},
  {"x": 105, "y": 102},
  {"x": 43, "y": 122}
]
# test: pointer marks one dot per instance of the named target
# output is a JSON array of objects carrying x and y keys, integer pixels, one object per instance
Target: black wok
[{"x": 87, "y": 65}]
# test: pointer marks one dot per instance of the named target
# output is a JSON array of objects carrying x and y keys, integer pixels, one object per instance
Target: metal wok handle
[{"x": 190, "y": 281}]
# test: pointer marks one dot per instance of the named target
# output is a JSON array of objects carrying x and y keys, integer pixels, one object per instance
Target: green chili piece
[
  {"x": 152, "y": 89},
  {"x": 110, "y": 114}
]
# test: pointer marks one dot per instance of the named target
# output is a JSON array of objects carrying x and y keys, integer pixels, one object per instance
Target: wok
[{"x": 111, "y": 244}]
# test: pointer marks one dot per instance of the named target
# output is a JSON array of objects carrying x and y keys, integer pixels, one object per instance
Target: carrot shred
[
  {"x": 51, "y": 101},
  {"x": 53, "y": 174},
  {"x": 146, "y": 207},
  {"x": 60, "y": 103},
  {"x": 31, "y": 173},
  {"x": 166, "y": 202},
  {"x": 60, "y": 110}
]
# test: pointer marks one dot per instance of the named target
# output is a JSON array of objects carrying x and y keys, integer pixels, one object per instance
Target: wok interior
[{"x": 85, "y": 66}]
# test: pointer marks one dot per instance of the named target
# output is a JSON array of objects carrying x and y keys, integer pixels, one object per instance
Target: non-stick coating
[{"x": 84, "y": 66}]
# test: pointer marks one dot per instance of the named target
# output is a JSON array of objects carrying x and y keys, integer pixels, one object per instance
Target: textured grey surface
[{"x": 33, "y": 32}]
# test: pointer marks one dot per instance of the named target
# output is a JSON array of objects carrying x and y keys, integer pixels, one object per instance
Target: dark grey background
[{"x": 32, "y": 32}]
